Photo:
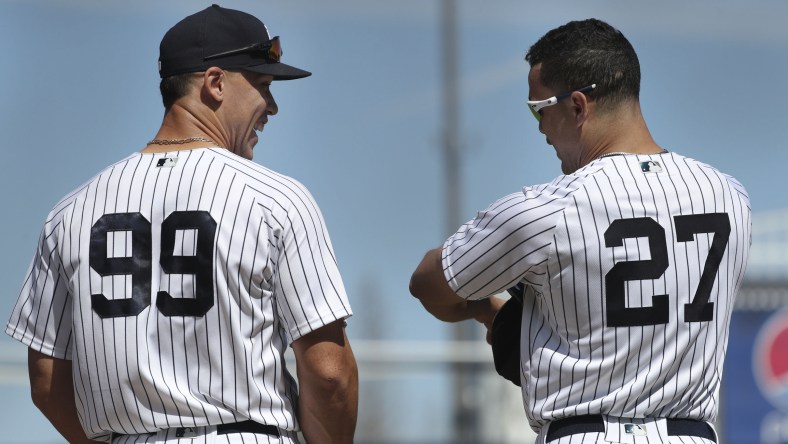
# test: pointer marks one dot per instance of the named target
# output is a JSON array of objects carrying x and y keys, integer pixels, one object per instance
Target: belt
[
  {"x": 594, "y": 423},
  {"x": 247, "y": 426}
]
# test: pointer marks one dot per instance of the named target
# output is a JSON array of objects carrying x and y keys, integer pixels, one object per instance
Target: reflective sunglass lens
[
  {"x": 275, "y": 50},
  {"x": 536, "y": 114}
]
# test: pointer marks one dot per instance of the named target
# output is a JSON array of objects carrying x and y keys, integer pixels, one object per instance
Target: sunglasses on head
[
  {"x": 536, "y": 105},
  {"x": 271, "y": 51}
]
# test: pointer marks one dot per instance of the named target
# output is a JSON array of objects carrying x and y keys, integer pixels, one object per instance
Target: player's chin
[
  {"x": 250, "y": 144},
  {"x": 565, "y": 168},
  {"x": 244, "y": 150}
]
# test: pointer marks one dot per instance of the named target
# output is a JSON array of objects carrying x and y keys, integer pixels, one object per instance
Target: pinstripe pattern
[
  {"x": 615, "y": 432},
  {"x": 274, "y": 278},
  {"x": 552, "y": 237},
  {"x": 205, "y": 435},
  {"x": 594, "y": 438}
]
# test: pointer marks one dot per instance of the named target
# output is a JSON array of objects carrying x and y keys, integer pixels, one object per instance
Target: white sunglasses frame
[{"x": 536, "y": 105}]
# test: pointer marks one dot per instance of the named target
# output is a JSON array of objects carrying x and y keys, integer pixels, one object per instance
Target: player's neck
[
  {"x": 623, "y": 132},
  {"x": 182, "y": 130}
]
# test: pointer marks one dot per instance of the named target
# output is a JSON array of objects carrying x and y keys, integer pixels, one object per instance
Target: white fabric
[
  {"x": 649, "y": 431},
  {"x": 274, "y": 279},
  {"x": 204, "y": 435},
  {"x": 576, "y": 358}
]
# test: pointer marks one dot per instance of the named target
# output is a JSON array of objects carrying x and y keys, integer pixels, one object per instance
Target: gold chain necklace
[{"x": 180, "y": 141}]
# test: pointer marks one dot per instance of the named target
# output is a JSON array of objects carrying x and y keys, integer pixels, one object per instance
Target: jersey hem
[
  {"x": 32, "y": 342},
  {"x": 305, "y": 328}
]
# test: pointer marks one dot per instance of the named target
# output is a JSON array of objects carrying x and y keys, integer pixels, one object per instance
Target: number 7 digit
[{"x": 700, "y": 309}]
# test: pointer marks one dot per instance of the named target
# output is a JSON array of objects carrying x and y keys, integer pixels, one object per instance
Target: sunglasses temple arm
[
  {"x": 226, "y": 53},
  {"x": 242, "y": 50}
]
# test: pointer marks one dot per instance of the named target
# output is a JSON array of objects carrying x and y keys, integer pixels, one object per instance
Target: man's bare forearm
[
  {"x": 52, "y": 390},
  {"x": 328, "y": 386}
]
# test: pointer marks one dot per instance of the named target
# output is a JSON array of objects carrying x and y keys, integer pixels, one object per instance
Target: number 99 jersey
[
  {"x": 631, "y": 265},
  {"x": 175, "y": 282}
]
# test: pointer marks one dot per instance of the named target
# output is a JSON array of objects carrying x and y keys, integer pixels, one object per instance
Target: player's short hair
[
  {"x": 174, "y": 87},
  {"x": 581, "y": 53}
]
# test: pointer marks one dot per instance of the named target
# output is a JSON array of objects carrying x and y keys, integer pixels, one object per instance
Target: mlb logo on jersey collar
[
  {"x": 650, "y": 166},
  {"x": 168, "y": 162}
]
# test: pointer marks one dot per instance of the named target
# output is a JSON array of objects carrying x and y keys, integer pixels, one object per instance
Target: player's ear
[
  {"x": 213, "y": 85},
  {"x": 581, "y": 107}
]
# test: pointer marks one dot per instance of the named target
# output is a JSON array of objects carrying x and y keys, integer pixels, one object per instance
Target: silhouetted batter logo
[{"x": 770, "y": 360}]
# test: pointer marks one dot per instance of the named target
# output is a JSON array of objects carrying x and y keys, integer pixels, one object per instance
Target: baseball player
[
  {"x": 165, "y": 291},
  {"x": 629, "y": 262}
]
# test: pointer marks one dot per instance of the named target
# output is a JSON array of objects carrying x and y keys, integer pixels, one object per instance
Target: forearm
[
  {"x": 327, "y": 410},
  {"x": 328, "y": 386},
  {"x": 53, "y": 393},
  {"x": 65, "y": 421},
  {"x": 429, "y": 286},
  {"x": 455, "y": 311}
]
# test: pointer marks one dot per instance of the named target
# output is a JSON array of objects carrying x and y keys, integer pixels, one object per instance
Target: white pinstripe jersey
[
  {"x": 175, "y": 282},
  {"x": 631, "y": 266}
]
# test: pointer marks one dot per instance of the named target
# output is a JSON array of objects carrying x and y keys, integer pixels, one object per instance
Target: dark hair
[
  {"x": 580, "y": 53},
  {"x": 174, "y": 87}
]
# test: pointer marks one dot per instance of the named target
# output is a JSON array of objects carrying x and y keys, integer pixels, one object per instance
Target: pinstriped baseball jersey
[
  {"x": 631, "y": 266},
  {"x": 175, "y": 282}
]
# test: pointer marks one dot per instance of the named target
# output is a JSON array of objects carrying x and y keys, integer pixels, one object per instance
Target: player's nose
[{"x": 271, "y": 107}]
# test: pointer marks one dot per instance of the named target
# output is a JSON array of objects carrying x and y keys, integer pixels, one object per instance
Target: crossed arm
[
  {"x": 429, "y": 285},
  {"x": 328, "y": 385}
]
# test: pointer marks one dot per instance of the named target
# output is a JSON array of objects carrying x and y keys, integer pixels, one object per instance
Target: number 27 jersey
[
  {"x": 175, "y": 282},
  {"x": 631, "y": 265}
]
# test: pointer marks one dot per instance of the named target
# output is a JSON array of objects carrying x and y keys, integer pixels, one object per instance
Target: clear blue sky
[{"x": 79, "y": 89}]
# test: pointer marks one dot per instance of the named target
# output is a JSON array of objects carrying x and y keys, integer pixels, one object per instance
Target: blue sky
[{"x": 80, "y": 90}]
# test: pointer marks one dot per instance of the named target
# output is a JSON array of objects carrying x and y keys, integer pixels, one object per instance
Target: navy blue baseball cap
[{"x": 225, "y": 38}]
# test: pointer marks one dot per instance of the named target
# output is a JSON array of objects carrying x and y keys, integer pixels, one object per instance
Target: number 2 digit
[{"x": 618, "y": 315}]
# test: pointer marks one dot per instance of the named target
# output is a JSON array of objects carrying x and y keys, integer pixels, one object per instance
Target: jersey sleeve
[
  {"x": 507, "y": 243},
  {"x": 41, "y": 318},
  {"x": 311, "y": 293}
]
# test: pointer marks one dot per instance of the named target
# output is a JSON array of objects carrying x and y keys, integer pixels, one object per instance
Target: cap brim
[{"x": 280, "y": 71}]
